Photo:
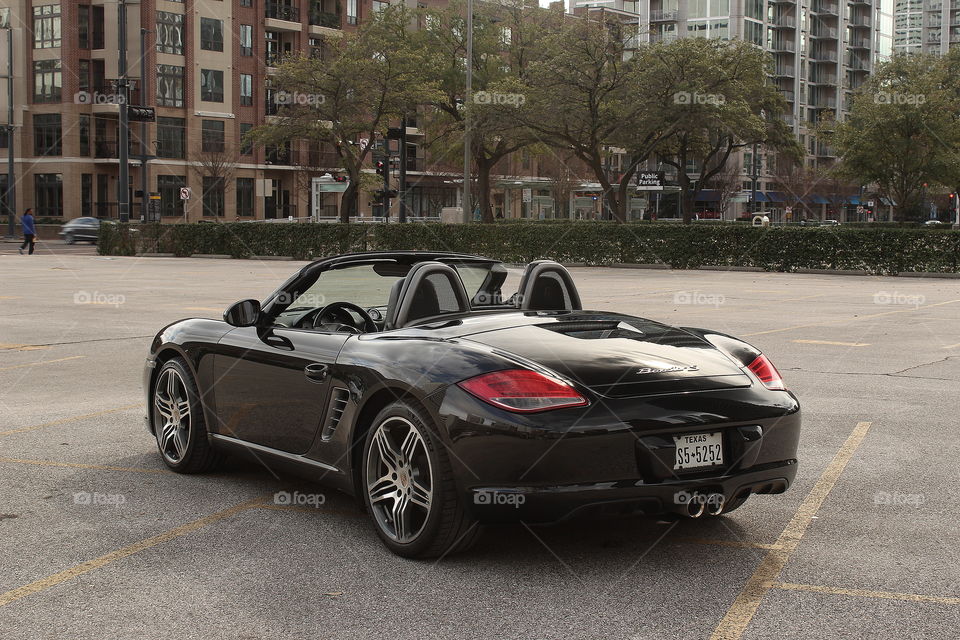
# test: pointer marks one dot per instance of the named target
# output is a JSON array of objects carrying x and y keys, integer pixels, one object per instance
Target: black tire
[
  {"x": 188, "y": 449},
  {"x": 448, "y": 527},
  {"x": 69, "y": 239}
]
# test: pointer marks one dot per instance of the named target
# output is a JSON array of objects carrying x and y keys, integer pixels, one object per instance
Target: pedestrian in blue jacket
[{"x": 29, "y": 231}]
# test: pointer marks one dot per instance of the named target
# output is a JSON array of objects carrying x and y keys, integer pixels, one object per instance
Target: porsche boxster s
[{"x": 409, "y": 380}]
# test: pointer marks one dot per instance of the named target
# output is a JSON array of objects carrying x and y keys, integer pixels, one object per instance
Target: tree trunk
[
  {"x": 688, "y": 197},
  {"x": 484, "y": 167},
  {"x": 348, "y": 202}
]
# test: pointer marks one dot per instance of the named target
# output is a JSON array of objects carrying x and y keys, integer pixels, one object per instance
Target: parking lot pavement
[{"x": 99, "y": 540}]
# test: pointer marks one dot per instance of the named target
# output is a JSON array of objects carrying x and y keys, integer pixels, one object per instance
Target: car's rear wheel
[
  {"x": 408, "y": 486},
  {"x": 68, "y": 238},
  {"x": 178, "y": 420}
]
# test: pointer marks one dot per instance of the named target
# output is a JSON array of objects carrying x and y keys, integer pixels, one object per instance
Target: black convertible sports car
[{"x": 408, "y": 380}]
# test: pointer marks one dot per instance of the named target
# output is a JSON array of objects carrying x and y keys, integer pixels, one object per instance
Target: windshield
[{"x": 368, "y": 285}]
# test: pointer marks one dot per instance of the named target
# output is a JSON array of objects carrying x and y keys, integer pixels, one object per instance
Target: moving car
[
  {"x": 409, "y": 380},
  {"x": 85, "y": 228},
  {"x": 831, "y": 223}
]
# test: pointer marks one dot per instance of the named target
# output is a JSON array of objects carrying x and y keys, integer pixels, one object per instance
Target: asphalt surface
[{"x": 98, "y": 540}]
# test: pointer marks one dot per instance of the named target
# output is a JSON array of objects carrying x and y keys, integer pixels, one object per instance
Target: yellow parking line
[
  {"x": 834, "y": 343},
  {"x": 743, "y": 609},
  {"x": 857, "y": 319},
  {"x": 729, "y": 543},
  {"x": 85, "y": 567},
  {"x": 77, "y": 465},
  {"x": 65, "y": 420},
  {"x": 952, "y": 346},
  {"x": 37, "y": 364},
  {"x": 22, "y": 347},
  {"x": 864, "y": 593}
]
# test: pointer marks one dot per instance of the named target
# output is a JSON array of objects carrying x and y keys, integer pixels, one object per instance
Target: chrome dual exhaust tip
[
  {"x": 700, "y": 504},
  {"x": 696, "y": 507},
  {"x": 715, "y": 503}
]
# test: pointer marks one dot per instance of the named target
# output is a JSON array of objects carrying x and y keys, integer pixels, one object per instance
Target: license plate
[{"x": 697, "y": 450}]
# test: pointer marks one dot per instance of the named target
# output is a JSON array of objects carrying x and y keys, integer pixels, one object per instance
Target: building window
[
  {"x": 379, "y": 6},
  {"x": 84, "y": 127},
  {"x": 316, "y": 48},
  {"x": 169, "y": 189},
  {"x": 86, "y": 194},
  {"x": 246, "y": 3},
  {"x": 83, "y": 75},
  {"x": 169, "y": 32},
  {"x": 48, "y": 195},
  {"x": 245, "y": 197},
  {"x": 83, "y": 26},
  {"x": 246, "y": 40},
  {"x": 211, "y": 139},
  {"x": 46, "y": 26},
  {"x": 47, "y": 139},
  {"x": 171, "y": 138},
  {"x": 96, "y": 26},
  {"x": 169, "y": 86},
  {"x": 4, "y": 137},
  {"x": 47, "y": 81},
  {"x": 211, "y": 85},
  {"x": 213, "y": 196},
  {"x": 246, "y": 147},
  {"x": 246, "y": 89},
  {"x": 351, "y": 11},
  {"x": 211, "y": 34}
]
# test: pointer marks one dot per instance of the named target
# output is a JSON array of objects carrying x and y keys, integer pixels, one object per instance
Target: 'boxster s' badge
[{"x": 645, "y": 370}]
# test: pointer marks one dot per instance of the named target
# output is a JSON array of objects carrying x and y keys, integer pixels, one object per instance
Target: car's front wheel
[
  {"x": 68, "y": 238},
  {"x": 178, "y": 420},
  {"x": 408, "y": 486}
]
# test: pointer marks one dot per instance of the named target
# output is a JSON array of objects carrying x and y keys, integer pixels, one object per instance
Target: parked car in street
[
  {"x": 933, "y": 223},
  {"x": 86, "y": 228},
  {"x": 831, "y": 223}
]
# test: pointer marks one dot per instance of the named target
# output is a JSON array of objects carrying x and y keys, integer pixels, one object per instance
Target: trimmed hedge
[{"x": 877, "y": 250}]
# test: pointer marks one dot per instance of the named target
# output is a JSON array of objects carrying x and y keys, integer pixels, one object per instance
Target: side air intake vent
[{"x": 338, "y": 403}]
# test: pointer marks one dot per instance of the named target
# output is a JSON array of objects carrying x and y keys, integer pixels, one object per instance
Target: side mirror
[{"x": 242, "y": 314}]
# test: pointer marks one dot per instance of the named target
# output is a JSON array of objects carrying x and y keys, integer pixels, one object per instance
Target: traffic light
[
  {"x": 339, "y": 178},
  {"x": 382, "y": 168},
  {"x": 953, "y": 202}
]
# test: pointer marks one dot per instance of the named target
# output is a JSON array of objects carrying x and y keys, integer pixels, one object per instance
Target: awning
[
  {"x": 819, "y": 199},
  {"x": 760, "y": 196},
  {"x": 775, "y": 196},
  {"x": 708, "y": 195},
  {"x": 854, "y": 199}
]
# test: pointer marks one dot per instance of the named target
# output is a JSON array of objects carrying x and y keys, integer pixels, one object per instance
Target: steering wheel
[{"x": 335, "y": 317}]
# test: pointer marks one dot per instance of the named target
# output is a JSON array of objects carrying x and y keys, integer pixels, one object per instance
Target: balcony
[
  {"x": 821, "y": 31},
  {"x": 784, "y": 22},
  {"x": 782, "y": 46},
  {"x": 785, "y": 71},
  {"x": 282, "y": 16},
  {"x": 825, "y": 103},
  {"x": 860, "y": 22},
  {"x": 325, "y": 19},
  {"x": 825, "y": 9},
  {"x": 783, "y": 2},
  {"x": 823, "y": 56},
  {"x": 281, "y": 155},
  {"x": 663, "y": 37},
  {"x": 823, "y": 78},
  {"x": 664, "y": 16},
  {"x": 864, "y": 43},
  {"x": 789, "y": 96}
]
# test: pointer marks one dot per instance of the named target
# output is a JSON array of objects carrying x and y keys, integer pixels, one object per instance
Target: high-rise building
[{"x": 927, "y": 26}]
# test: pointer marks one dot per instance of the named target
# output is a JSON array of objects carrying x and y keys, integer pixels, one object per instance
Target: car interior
[{"x": 433, "y": 291}]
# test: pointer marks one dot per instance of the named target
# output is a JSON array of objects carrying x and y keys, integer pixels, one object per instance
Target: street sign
[
  {"x": 650, "y": 181},
  {"x": 788, "y": 210},
  {"x": 860, "y": 209},
  {"x": 184, "y": 193},
  {"x": 870, "y": 203},
  {"x": 153, "y": 210}
]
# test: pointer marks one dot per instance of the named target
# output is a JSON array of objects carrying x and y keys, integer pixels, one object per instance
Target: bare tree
[
  {"x": 728, "y": 185},
  {"x": 565, "y": 173},
  {"x": 214, "y": 166}
]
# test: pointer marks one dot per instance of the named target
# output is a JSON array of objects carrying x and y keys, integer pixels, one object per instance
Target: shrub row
[{"x": 877, "y": 250}]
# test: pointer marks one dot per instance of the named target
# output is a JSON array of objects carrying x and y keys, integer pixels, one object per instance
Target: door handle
[{"x": 316, "y": 372}]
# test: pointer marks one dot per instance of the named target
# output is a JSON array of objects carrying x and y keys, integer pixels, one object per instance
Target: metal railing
[
  {"x": 282, "y": 11},
  {"x": 663, "y": 16}
]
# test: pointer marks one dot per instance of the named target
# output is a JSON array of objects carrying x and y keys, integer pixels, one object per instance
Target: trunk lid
[{"x": 621, "y": 356}]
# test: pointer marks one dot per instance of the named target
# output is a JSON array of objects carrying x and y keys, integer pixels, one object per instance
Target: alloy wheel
[
  {"x": 172, "y": 407},
  {"x": 399, "y": 479}
]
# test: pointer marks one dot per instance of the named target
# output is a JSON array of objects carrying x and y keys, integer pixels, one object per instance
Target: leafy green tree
[
  {"x": 369, "y": 78},
  {"x": 902, "y": 130},
  {"x": 722, "y": 103},
  {"x": 504, "y": 38}
]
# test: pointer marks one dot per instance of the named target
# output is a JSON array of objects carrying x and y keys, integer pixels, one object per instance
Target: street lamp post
[
  {"x": 123, "y": 186},
  {"x": 144, "y": 168},
  {"x": 11, "y": 181},
  {"x": 468, "y": 94}
]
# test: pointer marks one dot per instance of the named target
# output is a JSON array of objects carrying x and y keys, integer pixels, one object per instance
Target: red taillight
[
  {"x": 523, "y": 391},
  {"x": 768, "y": 374}
]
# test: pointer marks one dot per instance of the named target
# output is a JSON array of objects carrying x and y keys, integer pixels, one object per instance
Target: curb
[
  {"x": 631, "y": 265},
  {"x": 834, "y": 272},
  {"x": 156, "y": 255},
  {"x": 271, "y": 257},
  {"x": 219, "y": 256},
  {"x": 928, "y": 274},
  {"x": 718, "y": 267}
]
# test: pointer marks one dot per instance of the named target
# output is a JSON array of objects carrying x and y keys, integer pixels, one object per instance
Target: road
[{"x": 99, "y": 540}]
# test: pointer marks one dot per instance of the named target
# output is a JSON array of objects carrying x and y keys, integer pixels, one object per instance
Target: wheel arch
[{"x": 163, "y": 355}]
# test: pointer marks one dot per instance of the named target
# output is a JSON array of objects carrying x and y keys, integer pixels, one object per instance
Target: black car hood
[{"x": 613, "y": 354}]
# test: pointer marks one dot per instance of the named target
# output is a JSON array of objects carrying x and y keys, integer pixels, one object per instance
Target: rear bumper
[{"x": 619, "y": 499}]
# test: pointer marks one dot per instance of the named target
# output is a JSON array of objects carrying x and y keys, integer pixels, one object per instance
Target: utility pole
[
  {"x": 11, "y": 180},
  {"x": 402, "y": 186},
  {"x": 144, "y": 167},
  {"x": 755, "y": 170},
  {"x": 123, "y": 182},
  {"x": 467, "y": 97}
]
